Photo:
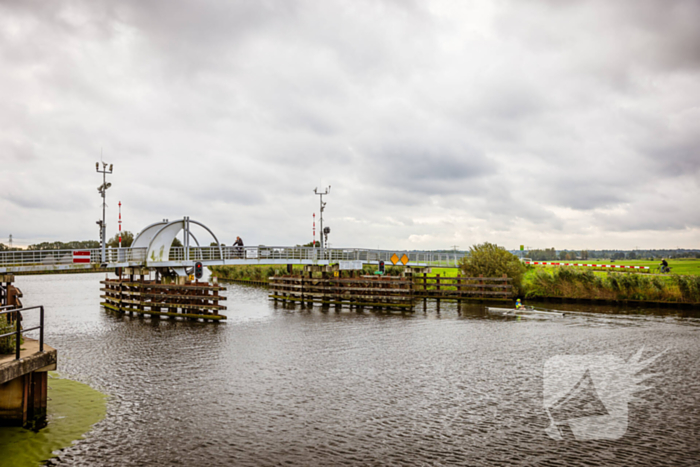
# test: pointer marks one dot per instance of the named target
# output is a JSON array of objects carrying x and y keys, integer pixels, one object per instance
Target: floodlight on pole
[
  {"x": 102, "y": 189},
  {"x": 323, "y": 206}
]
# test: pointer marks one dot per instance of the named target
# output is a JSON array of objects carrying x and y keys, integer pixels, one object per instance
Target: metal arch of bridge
[{"x": 160, "y": 237}]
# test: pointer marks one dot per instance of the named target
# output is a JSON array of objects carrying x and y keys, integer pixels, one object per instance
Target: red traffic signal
[{"x": 198, "y": 270}]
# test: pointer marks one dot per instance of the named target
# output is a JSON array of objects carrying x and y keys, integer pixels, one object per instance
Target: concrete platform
[
  {"x": 24, "y": 384},
  {"x": 30, "y": 360}
]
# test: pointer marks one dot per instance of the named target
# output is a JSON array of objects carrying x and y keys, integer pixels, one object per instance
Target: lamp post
[
  {"x": 323, "y": 206},
  {"x": 102, "y": 190}
]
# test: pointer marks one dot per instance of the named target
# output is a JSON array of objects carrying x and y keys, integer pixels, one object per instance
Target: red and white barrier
[
  {"x": 81, "y": 256},
  {"x": 546, "y": 263}
]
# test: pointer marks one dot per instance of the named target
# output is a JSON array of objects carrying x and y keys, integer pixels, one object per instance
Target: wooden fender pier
[
  {"x": 186, "y": 299},
  {"x": 386, "y": 291},
  {"x": 372, "y": 291},
  {"x": 462, "y": 288}
]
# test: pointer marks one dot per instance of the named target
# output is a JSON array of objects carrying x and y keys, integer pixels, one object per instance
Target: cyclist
[
  {"x": 239, "y": 247},
  {"x": 664, "y": 266}
]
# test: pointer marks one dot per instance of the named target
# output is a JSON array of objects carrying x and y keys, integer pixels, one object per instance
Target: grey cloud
[
  {"x": 586, "y": 194},
  {"x": 428, "y": 170},
  {"x": 610, "y": 37}
]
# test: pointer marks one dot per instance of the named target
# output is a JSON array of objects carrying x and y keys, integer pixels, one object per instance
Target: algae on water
[{"x": 72, "y": 409}]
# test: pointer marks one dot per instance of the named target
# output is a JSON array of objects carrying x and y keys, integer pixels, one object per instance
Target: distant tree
[
  {"x": 584, "y": 254},
  {"x": 548, "y": 254},
  {"x": 311, "y": 244},
  {"x": 176, "y": 243},
  {"x": 491, "y": 260},
  {"x": 631, "y": 255},
  {"x": 127, "y": 240},
  {"x": 75, "y": 245}
]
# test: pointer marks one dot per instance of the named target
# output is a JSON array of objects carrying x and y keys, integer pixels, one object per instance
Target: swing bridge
[{"x": 152, "y": 248}]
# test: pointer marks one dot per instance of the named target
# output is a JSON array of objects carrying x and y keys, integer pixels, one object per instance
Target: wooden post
[
  {"x": 437, "y": 288},
  {"x": 481, "y": 285}
]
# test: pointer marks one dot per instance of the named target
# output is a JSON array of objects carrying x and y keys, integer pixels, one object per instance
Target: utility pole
[
  {"x": 323, "y": 205},
  {"x": 10, "y": 241},
  {"x": 102, "y": 190}
]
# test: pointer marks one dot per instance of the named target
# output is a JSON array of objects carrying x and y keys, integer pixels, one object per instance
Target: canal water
[{"x": 277, "y": 385}]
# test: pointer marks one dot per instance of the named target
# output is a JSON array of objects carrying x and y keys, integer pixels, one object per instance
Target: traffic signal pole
[
  {"x": 103, "y": 191},
  {"x": 322, "y": 207}
]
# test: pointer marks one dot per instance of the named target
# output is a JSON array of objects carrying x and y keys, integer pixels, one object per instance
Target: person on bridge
[{"x": 239, "y": 247}]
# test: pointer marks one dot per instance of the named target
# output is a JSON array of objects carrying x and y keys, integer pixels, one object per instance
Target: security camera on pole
[
  {"x": 102, "y": 190},
  {"x": 323, "y": 206}
]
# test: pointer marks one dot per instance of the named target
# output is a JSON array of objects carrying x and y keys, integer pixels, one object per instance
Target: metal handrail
[
  {"x": 253, "y": 254},
  {"x": 19, "y": 331}
]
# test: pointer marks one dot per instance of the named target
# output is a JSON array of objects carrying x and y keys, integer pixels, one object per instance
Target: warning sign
[
  {"x": 404, "y": 259},
  {"x": 394, "y": 259}
]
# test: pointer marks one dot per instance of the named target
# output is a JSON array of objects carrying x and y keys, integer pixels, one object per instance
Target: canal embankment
[{"x": 565, "y": 283}]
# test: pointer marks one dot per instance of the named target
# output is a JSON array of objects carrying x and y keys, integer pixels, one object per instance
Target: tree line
[{"x": 551, "y": 254}]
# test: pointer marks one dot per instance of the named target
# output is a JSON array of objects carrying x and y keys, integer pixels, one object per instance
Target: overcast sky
[{"x": 545, "y": 123}]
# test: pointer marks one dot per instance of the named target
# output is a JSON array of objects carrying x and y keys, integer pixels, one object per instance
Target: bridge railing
[
  {"x": 252, "y": 254},
  {"x": 50, "y": 258},
  {"x": 261, "y": 253}
]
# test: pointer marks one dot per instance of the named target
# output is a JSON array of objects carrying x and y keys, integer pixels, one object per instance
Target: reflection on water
[{"x": 277, "y": 384}]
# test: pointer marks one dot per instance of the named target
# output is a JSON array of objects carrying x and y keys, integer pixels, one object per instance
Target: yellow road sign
[
  {"x": 395, "y": 259},
  {"x": 404, "y": 260}
]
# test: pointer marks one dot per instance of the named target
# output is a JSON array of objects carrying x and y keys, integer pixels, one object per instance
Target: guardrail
[{"x": 19, "y": 331}]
